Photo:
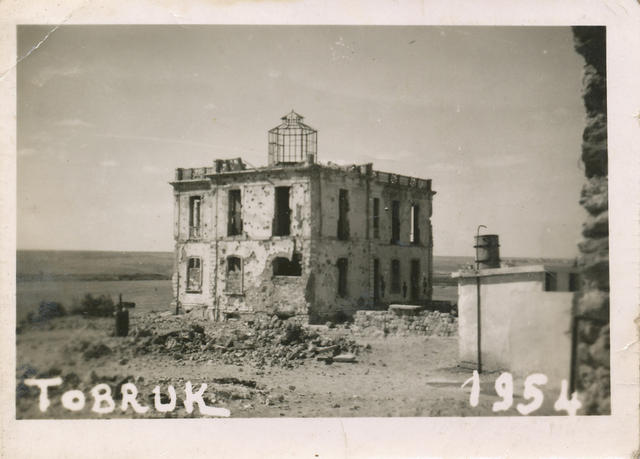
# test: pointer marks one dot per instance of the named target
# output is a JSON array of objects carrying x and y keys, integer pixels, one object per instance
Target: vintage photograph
[{"x": 311, "y": 221}]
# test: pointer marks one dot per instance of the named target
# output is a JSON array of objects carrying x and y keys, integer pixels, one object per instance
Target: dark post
[
  {"x": 574, "y": 350},
  {"x": 178, "y": 288},
  {"x": 122, "y": 319},
  {"x": 478, "y": 300}
]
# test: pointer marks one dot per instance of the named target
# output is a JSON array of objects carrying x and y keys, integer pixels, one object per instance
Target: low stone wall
[{"x": 428, "y": 323}]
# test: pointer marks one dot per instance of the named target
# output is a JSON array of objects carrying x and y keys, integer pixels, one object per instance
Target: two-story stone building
[{"x": 298, "y": 237}]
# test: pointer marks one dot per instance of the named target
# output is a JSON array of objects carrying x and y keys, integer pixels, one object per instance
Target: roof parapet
[
  {"x": 220, "y": 166},
  {"x": 366, "y": 170}
]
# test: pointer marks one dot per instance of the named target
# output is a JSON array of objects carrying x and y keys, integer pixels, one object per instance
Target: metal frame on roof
[{"x": 292, "y": 141}]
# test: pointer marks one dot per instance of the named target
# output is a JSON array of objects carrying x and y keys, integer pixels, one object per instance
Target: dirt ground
[{"x": 392, "y": 376}]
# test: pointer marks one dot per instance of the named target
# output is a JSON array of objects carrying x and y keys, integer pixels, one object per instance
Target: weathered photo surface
[{"x": 311, "y": 221}]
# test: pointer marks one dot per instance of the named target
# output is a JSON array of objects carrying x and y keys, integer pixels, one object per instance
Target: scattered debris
[
  {"x": 261, "y": 343},
  {"x": 345, "y": 358},
  {"x": 236, "y": 381}
]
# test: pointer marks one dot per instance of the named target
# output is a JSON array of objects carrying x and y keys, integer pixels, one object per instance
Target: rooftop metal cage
[{"x": 292, "y": 141}]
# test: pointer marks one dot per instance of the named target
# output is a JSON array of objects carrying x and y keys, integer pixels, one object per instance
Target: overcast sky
[{"x": 106, "y": 113}]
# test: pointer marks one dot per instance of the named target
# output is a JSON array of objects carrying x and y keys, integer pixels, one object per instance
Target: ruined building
[{"x": 297, "y": 237}]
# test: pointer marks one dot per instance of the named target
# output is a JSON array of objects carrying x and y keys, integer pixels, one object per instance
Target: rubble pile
[
  {"x": 264, "y": 343},
  {"x": 429, "y": 323}
]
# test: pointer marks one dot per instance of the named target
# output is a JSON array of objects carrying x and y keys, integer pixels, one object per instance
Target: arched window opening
[
  {"x": 284, "y": 267},
  {"x": 194, "y": 275},
  {"x": 234, "y": 275}
]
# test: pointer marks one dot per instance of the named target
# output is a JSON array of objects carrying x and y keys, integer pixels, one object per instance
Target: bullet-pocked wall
[
  {"x": 340, "y": 246},
  {"x": 303, "y": 239},
  {"x": 272, "y": 259},
  {"x": 381, "y": 267},
  {"x": 406, "y": 258},
  {"x": 192, "y": 261}
]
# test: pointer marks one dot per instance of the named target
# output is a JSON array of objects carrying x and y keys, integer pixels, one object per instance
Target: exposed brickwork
[
  {"x": 428, "y": 323},
  {"x": 591, "y": 305}
]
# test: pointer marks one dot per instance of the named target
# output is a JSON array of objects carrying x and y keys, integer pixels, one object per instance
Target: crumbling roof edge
[
  {"x": 364, "y": 170},
  {"x": 199, "y": 181}
]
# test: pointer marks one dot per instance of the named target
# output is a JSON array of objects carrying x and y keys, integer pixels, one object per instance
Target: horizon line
[{"x": 171, "y": 251}]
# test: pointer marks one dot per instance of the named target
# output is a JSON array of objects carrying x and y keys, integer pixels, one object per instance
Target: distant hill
[{"x": 94, "y": 265}]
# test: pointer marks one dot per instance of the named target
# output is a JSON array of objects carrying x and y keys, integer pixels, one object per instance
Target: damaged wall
[
  {"x": 591, "y": 305},
  {"x": 327, "y": 300},
  {"x": 364, "y": 243},
  {"x": 427, "y": 323},
  {"x": 190, "y": 298},
  {"x": 328, "y": 248},
  {"x": 314, "y": 213},
  {"x": 257, "y": 248},
  {"x": 404, "y": 251},
  {"x": 189, "y": 245},
  {"x": 261, "y": 290},
  {"x": 181, "y": 211},
  {"x": 251, "y": 286}
]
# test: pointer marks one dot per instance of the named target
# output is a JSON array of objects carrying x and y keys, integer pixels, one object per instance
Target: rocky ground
[{"x": 267, "y": 368}]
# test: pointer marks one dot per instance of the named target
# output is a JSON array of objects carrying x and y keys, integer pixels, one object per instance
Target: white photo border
[{"x": 594, "y": 436}]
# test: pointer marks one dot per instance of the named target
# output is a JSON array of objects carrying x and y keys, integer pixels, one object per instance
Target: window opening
[
  {"x": 282, "y": 217},
  {"x": 235, "y": 213},
  {"x": 395, "y": 221},
  {"x": 194, "y": 217},
  {"x": 343, "y": 209},
  {"x": 234, "y": 275},
  {"x": 550, "y": 282},
  {"x": 414, "y": 236},
  {"x": 282, "y": 266},
  {"x": 395, "y": 276},
  {"x": 194, "y": 275},
  {"x": 376, "y": 218}
]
